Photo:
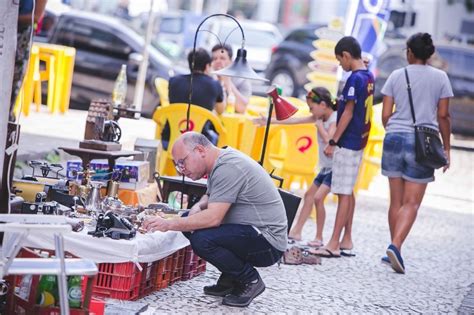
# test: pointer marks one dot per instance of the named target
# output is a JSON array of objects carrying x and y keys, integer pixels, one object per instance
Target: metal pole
[
  {"x": 140, "y": 85},
  {"x": 267, "y": 129},
  {"x": 8, "y": 38}
]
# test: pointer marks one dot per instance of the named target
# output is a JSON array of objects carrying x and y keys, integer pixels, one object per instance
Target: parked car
[
  {"x": 102, "y": 45},
  {"x": 289, "y": 61},
  {"x": 454, "y": 58},
  {"x": 260, "y": 38}
]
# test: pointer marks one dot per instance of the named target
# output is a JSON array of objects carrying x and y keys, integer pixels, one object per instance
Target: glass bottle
[
  {"x": 47, "y": 290},
  {"x": 74, "y": 293},
  {"x": 119, "y": 94},
  {"x": 230, "y": 108}
]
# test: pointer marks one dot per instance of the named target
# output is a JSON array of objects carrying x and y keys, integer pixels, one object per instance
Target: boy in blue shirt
[{"x": 347, "y": 145}]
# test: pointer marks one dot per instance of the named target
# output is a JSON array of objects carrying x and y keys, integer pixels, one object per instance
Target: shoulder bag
[{"x": 428, "y": 147}]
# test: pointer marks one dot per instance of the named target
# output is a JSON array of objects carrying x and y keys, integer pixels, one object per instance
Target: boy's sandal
[{"x": 315, "y": 244}]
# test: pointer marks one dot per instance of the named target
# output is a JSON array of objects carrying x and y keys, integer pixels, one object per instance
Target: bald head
[
  {"x": 194, "y": 155},
  {"x": 191, "y": 139}
]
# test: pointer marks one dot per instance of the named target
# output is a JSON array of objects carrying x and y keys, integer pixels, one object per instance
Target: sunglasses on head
[{"x": 314, "y": 97}]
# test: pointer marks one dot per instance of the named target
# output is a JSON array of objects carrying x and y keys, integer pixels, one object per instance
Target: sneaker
[
  {"x": 395, "y": 259},
  {"x": 244, "y": 294},
  {"x": 225, "y": 285},
  {"x": 386, "y": 260}
]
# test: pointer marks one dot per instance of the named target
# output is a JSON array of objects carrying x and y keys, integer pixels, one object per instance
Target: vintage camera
[{"x": 113, "y": 226}]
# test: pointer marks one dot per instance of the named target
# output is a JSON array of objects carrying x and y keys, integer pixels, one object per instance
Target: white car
[{"x": 260, "y": 38}]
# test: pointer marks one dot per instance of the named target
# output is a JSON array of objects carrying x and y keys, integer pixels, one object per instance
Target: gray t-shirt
[
  {"x": 255, "y": 201},
  {"x": 428, "y": 86},
  {"x": 324, "y": 160}
]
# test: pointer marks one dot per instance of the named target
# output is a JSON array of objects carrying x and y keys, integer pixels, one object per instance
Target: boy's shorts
[
  {"x": 345, "y": 167},
  {"x": 324, "y": 177},
  {"x": 398, "y": 159}
]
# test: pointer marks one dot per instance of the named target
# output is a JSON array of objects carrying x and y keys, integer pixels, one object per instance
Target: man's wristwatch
[{"x": 332, "y": 142}]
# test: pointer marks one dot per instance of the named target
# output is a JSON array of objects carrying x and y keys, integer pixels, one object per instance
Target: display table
[{"x": 143, "y": 248}]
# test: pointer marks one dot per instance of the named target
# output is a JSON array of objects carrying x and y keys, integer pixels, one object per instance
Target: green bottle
[
  {"x": 74, "y": 293},
  {"x": 47, "y": 290}
]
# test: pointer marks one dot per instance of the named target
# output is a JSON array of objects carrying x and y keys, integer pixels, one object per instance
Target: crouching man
[{"x": 239, "y": 224}]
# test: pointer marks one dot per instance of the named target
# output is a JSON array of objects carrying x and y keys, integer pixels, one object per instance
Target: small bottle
[
  {"x": 47, "y": 290},
  {"x": 74, "y": 293},
  {"x": 25, "y": 287},
  {"x": 230, "y": 108},
  {"x": 119, "y": 94}
]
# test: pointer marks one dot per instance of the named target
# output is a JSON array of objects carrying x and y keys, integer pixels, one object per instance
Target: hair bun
[{"x": 427, "y": 39}]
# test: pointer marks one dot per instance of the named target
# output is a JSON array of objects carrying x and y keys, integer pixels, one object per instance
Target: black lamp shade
[{"x": 240, "y": 68}]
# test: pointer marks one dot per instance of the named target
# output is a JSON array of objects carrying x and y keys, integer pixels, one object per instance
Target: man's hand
[
  {"x": 329, "y": 150},
  {"x": 156, "y": 223}
]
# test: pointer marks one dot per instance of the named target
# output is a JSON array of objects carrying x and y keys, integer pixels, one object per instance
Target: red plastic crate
[
  {"x": 148, "y": 279},
  {"x": 17, "y": 305},
  {"x": 177, "y": 270},
  {"x": 193, "y": 264},
  {"x": 118, "y": 281},
  {"x": 163, "y": 272}
]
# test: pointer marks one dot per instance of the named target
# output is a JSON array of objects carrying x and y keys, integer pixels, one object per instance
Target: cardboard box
[{"x": 134, "y": 173}]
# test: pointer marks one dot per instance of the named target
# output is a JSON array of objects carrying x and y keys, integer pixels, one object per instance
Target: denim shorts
[
  {"x": 398, "y": 159},
  {"x": 324, "y": 177}
]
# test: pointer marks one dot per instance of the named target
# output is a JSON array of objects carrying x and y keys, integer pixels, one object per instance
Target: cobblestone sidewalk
[{"x": 438, "y": 258}]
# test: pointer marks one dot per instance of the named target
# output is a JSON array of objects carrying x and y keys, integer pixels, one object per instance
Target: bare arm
[
  {"x": 444, "y": 121},
  {"x": 326, "y": 135},
  {"x": 210, "y": 217},
  {"x": 240, "y": 100},
  {"x": 200, "y": 205},
  {"x": 341, "y": 126},
  {"x": 344, "y": 121},
  {"x": 262, "y": 120},
  {"x": 387, "y": 109},
  {"x": 219, "y": 107}
]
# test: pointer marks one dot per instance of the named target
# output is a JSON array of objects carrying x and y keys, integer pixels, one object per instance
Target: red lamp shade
[{"x": 283, "y": 108}]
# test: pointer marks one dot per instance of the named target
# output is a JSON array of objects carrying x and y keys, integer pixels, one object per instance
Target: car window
[
  {"x": 172, "y": 25},
  {"x": 458, "y": 63},
  {"x": 91, "y": 39},
  {"x": 304, "y": 37},
  {"x": 253, "y": 37},
  {"x": 388, "y": 64}
]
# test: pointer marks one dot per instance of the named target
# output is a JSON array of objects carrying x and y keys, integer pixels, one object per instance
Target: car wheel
[{"x": 285, "y": 80}]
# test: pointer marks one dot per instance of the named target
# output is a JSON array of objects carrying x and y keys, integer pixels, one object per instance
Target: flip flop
[
  {"x": 324, "y": 252},
  {"x": 315, "y": 244},
  {"x": 346, "y": 252}
]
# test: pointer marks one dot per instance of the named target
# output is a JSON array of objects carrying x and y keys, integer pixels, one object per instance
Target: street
[{"x": 438, "y": 253}]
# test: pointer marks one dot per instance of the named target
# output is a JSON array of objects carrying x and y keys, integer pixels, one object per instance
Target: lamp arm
[
  {"x": 190, "y": 94},
  {"x": 267, "y": 129}
]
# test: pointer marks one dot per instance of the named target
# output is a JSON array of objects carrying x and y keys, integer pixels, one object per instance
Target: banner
[{"x": 367, "y": 21}]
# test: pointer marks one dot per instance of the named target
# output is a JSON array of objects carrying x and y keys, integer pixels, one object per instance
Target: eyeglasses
[{"x": 179, "y": 165}]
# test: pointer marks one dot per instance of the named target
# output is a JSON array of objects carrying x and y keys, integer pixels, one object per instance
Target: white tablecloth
[{"x": 143, "y": 248}]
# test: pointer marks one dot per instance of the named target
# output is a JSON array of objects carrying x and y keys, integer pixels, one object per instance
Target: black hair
[
  {"x": 319, "y": 94},
  {"x": 350, "y": 45},
  {"x": 201, "y": 60},
  {"x": 223, "y": 47},
  {"x": 421, "y": 45}
]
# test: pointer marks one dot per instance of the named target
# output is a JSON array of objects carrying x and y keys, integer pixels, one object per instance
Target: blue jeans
[
  {"x": 234, "y": 249},
  {"x": 398, "y": 159}
]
